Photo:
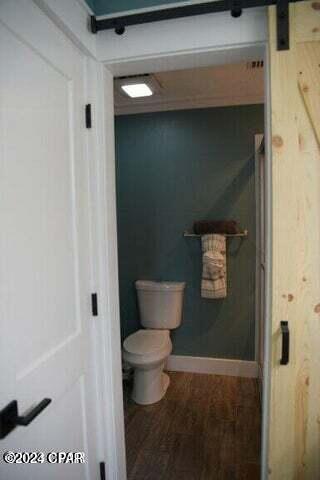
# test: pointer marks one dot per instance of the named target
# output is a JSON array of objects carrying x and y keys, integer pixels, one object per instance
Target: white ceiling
[{"x": 223, "y": 85}]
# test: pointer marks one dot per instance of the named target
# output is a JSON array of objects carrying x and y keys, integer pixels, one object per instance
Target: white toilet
[{"x": 160, "y": 305}]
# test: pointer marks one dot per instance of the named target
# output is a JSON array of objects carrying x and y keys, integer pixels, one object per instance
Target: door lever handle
[
  {"x": 285, "y": 343},
  {"x": 9, "y": 418},
  {"x": 29, "y": 417}
]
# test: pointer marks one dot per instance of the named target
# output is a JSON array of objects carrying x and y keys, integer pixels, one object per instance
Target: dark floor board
[
  {"x": 247, "y": 438},
  {"x": 207, "y": 427},
  {"x": 149, "y": 467},
  {"x": 248, "y": 471}
]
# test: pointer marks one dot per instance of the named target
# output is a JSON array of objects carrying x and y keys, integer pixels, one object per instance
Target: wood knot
[
  {"x": 304, "y": 279},
  {"x": 317, "y": 308},
  {"x": 315, "y": 30},
  {"x": 290, "y": 297},
  {"x": 307, "y": 381},
  {"x": 301, "y": 142},
  {"x": 315, "y": 6},
  {"x": 277, "y": 141}
]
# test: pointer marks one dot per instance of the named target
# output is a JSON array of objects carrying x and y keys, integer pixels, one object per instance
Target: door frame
[
  {"x": 152, "y": 63},
  {"x": 259, "y": 198},
  {"x": 153, "y": 47}
]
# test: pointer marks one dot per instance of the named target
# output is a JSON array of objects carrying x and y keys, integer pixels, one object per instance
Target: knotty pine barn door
[{"x": 294, "y": 433}]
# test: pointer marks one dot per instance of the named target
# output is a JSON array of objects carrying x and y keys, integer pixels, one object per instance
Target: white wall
[
  {"x": 73, "y": 17},
  {"x": 171, "y": 42}
]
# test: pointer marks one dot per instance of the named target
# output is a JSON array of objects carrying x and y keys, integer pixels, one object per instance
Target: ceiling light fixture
[{"x": 136, "y": 90}]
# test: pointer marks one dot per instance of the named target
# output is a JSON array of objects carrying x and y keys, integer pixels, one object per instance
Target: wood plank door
[
  {"x": 294, "y": 434},
  {"x": 45, "y": 259}
]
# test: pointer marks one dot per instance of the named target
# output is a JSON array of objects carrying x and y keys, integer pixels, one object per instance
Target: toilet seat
[{"x": 147, "y": 343}]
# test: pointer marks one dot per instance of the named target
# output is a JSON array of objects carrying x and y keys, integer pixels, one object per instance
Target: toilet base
[
  {"x": 149, "y": 386},
  {"x": 166, "y": 382}
]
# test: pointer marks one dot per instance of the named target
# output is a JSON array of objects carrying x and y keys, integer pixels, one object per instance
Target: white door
[{"x": 44, "y": 245}]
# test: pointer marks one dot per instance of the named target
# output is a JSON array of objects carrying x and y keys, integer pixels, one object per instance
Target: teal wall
[
  {"x": 174, "y": 168},
  {"x": 103, "y": 7},
  {"x": 91, "y": 4}
]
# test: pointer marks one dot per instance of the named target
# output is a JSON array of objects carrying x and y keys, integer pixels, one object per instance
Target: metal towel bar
[{"x": 240, "y": 234}]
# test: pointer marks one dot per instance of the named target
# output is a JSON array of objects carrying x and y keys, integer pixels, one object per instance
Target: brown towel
[{"x": 203, "y": 227}]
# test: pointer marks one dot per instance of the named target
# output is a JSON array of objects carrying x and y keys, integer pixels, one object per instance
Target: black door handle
[
  {"x": 9, "y": 418},
  {"x": 285, "y": 343},
  {"x": 26, "y": 419}
]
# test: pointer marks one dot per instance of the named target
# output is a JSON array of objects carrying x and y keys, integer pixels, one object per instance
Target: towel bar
[{"x": 241, "y": 234}]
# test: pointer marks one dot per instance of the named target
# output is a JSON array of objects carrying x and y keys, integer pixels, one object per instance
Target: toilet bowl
[
  {"x": 146, "y": 351},
  {"x": 160, "y": 305}
]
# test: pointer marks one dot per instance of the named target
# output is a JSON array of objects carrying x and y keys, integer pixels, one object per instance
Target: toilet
[{"x": 160, "y": 305}]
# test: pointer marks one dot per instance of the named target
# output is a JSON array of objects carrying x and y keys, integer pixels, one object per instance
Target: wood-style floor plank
[{"x": 207, "y": 427}]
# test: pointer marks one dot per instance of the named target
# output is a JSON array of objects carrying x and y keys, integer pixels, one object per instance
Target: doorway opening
[{"x": 190, "y": 163}]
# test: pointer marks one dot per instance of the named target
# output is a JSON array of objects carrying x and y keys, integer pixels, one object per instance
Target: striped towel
[{"x": 214, "y": 271}]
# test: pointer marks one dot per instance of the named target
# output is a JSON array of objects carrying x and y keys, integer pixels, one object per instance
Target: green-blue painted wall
[
  {"x": 91, "y": 4},
  {"x": 104, "y": 7},
  {"x": 174, "y": 168}
]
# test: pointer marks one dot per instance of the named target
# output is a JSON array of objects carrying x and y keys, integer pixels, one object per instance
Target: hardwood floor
[{"x": 207, "y": 427}]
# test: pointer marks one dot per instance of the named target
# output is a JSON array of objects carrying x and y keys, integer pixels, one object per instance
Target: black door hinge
[
  {"x": 102, "y": 471},
  {"x": 88, "y": 116},
  {"x": 94, "y": 304}
]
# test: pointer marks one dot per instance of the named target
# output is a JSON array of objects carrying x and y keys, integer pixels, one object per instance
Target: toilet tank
[{"x": 160, "y": 304}]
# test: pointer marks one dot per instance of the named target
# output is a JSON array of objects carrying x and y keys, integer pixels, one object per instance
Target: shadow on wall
[
  {"x": 174, "y": 168},
  {"x": 212, "y": 312},
  {"x": 231, "y": 193}
]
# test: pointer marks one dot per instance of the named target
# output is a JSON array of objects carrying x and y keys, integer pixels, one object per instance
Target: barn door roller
[{"x": 235, "y": 7}]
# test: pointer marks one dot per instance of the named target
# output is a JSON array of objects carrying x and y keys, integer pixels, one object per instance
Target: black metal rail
[{"x": 119, "y": 24}]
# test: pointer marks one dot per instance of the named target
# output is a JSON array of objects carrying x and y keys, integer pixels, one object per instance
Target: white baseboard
[{"x": 216, "y": 366}]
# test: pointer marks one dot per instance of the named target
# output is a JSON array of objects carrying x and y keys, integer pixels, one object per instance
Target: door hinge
[
  {"x": 102, "y": 471},
  {"x": 94, "y": 304},
  {"x": 88, "y": 116}
]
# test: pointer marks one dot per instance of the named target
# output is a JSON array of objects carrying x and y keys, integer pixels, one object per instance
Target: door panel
[
  {"x": 41, "y": 170},
  {"x": 45, "y": 254},
  {"x": 294, "y": 437}
]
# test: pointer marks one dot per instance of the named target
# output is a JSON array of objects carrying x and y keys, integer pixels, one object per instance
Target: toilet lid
[{"x": 143, "y": 342}]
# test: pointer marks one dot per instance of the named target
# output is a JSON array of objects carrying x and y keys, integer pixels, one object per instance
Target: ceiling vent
[{"x": 255, "y": 65}]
